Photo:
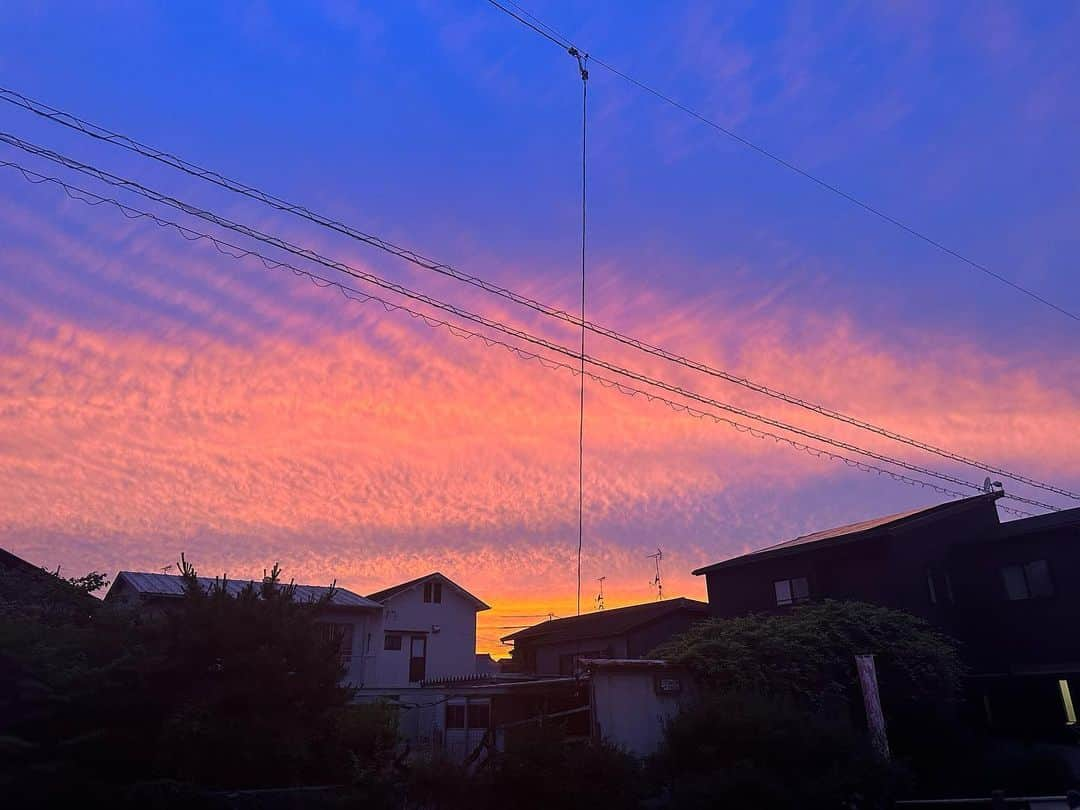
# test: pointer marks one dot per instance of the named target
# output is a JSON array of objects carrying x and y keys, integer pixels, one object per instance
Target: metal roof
[
  {"x": 173, "y": 585},
  {"x": 851, "y": 531}
]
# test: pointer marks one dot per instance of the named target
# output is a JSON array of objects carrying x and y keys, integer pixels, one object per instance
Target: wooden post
[{"x": 875, "y": 720}]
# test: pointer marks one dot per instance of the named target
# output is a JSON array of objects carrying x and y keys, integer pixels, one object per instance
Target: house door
[{"x": 417, "y": 658}]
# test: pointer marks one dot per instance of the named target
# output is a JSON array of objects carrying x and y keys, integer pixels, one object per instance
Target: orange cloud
[{"x": 154, "y": 400}]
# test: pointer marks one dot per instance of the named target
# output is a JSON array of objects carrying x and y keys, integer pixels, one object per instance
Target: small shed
[{"x": 633, "y": 700}]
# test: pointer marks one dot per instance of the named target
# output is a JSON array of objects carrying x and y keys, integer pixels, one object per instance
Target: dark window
[
  {"x": 455, "y": 715},
  {"x": 791, "y": 591},
  {"x": 438, "y": 592},
  {"x": 570, "y": 663},
  {"x": 427, "y": 591},
  {"x": 479, "y": 714},
  {"x": 433, "y": 591},
  {"x": 342, "y": 636},
  {"x": 392, "y": 642},
  {"x": 1028, "y": 581},
  {"x": 948, "y": 589}
]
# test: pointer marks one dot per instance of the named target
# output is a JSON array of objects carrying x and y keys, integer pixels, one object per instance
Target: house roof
[
  {"x": 22, "y": 582},
  {"x": 603, "y": 623},
  {"x": 394, "y": 590},
  {"x": 171, "y": 585},
  {"x": 1041, "y": 523},
  {"x": 853, "y": 531}
]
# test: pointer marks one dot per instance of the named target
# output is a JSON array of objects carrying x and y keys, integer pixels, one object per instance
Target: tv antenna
[
  {"x": 656, "y": 581},
  {"x": 600, "y": 596},
  {"x": 167, "y": 568}
]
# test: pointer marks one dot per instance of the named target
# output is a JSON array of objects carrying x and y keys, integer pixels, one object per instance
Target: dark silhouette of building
[
  {"x": 555, "y": 647},
  {"x": 28, "y": 587},
  {"x": 1006, "y": 591}
]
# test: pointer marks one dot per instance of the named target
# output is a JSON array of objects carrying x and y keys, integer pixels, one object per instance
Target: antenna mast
[
  {"x": 600, "y": 596},
  {"x": 657, "y": 582}
]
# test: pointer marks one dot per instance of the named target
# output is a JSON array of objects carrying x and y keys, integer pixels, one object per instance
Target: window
[
  {"x": 472, "y": 714},
  {"x": 948, "y": 589},
  {"x": 455, "y": 715},
  {"x": 417, "y": 658},
  {"x": 433, "y": 592},
  {"x": 392, "y": 641},
  {"x": 791, "y": 591},
  {"x": 1066, "y": 702},
  {"x": 479, "y": 714},
  {"x": 438, "y": 592},
  {"x": 570, "y": 663},
  {"x": 1028, "y": 581},
  {"x": 342, "y": 635}
]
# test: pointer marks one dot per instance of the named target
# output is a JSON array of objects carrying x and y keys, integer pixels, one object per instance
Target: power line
[
  {"x": 460, "y": 312},
  {"x": 311, "y": 255},
  {"x": 787, "y": 164},
  {"x": 419, "y": 260},
  {"x": 352, "y": 294}
]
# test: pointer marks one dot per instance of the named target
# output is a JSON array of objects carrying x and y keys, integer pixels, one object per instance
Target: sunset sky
[{"x": 157, "y": 397}]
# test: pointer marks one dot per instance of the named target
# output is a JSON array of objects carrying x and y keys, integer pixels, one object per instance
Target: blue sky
[{"x": 452, "y": 130}]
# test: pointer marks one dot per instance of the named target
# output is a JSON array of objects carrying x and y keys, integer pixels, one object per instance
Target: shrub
[
  {"x": 808, "y": 654},
  {"x": 749, "y": 750}
]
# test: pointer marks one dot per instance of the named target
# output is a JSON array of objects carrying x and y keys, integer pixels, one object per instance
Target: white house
[
  {"x": 355, "y": 619},
  {"x": 429, "y": 631},
  {"x": 421, "y": 629}
]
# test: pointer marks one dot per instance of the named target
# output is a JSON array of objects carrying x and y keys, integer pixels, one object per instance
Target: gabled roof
[
  {"x": 862, "y": 530},
  {"x": 171, "y": 585},
  {"x": 23, "y": 583},
  {"x": 604, "y": 623},
  {"x": 394, "y": 590}
]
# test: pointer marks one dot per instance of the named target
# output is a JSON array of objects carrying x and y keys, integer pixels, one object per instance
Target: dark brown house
[
  {"x": 1004, "y": 590},
  {"x": 555, "y": 647}
]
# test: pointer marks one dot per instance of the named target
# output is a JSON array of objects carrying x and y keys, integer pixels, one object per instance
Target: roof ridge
[
  {"x": 599, "y": 616},
  {"x": 852, "y": 530}
]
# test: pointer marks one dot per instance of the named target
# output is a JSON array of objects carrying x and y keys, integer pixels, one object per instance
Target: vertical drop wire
[{"x": 582, "y": 62}]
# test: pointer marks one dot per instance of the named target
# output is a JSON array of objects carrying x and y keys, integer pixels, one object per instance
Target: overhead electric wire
[
  {"x": 460, "y": 312},
  {"x": 352, "y": 294},
  {"x": 100, "y": 133},
  {"x": 549, "y": 33}
]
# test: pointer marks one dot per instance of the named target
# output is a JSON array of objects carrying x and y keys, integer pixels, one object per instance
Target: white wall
[
  {"x": 450, "y": 652},
  {"x": 367, "y": 625},
  {"x": 629, "y": 713}
]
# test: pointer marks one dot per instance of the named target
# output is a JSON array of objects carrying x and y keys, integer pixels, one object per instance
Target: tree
[
  {"x": 250, "y": 681},
  {"x": 217, "y": 689},
  {"x": 808, "y": 655},
  {"x": 781, "y": 717}
]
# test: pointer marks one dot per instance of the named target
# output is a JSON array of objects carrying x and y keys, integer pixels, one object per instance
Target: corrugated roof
[
  {"x": 173, "y": 585},
  {"x": 851, "y": 531},
  {"x": 602, "y": 623},
  {"x": 394, "y": 590}
]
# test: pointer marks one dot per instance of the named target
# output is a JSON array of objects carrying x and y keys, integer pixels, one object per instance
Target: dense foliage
[
  {"x": 218, "y": 690},
  {"x": 749, "y": 750},
  {"x": 807, "y": 655}
]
